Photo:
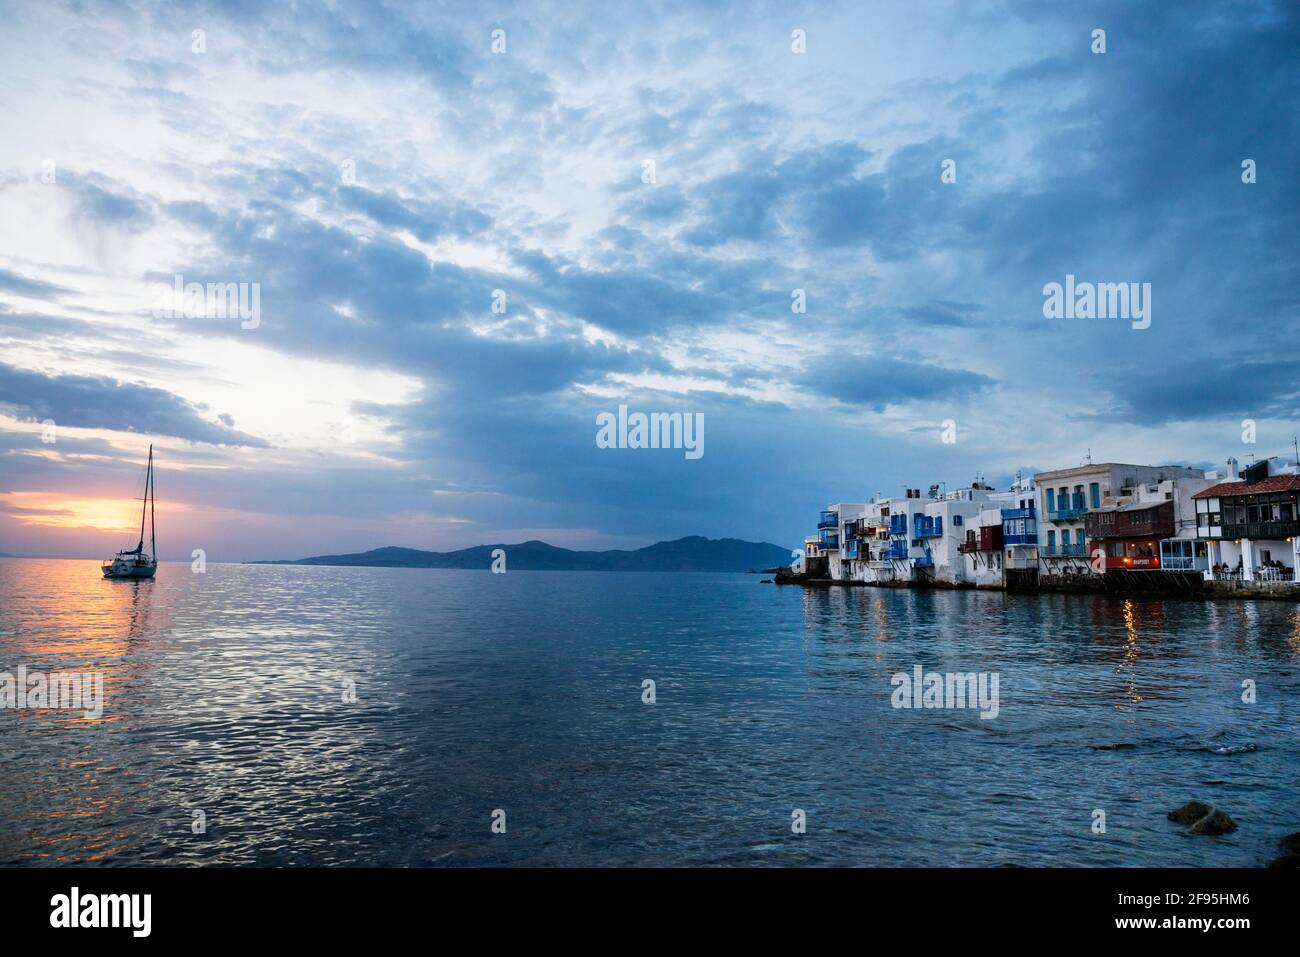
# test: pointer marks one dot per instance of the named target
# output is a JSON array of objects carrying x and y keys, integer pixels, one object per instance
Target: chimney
[{"x": 1233, "y": 476}]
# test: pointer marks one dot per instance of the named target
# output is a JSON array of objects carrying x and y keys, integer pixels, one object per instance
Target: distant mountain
[
  {"x": 691, "y": 554},
  {"x": 7, "y": 555}
]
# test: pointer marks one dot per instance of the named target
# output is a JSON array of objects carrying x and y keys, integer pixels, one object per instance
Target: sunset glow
[{"x": 58, "y": 511}]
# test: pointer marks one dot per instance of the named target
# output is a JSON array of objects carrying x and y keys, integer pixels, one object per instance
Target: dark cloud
[
  {"x": 100, "y": 200},
  {"x": 428, "y": 221},
  {"x": 1194, "y": 390},
  {"x": 31, "y": 288},
  {"x": 92, "y": 402},
  {"x": 942, "y": 312},
  {"x": 878, "y": 382}
]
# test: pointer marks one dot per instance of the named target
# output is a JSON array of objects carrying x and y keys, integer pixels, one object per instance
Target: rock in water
[
  {"x": 1291, "y": 843},
  {"x": 1216, "y": 822},
  {"x": 1190, "y": 813}
]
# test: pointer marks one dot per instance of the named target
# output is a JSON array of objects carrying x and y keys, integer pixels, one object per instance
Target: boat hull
[{"x": 130, "y": 571}]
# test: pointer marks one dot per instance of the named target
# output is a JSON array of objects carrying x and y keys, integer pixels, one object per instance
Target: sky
[{"x": 472, "y": 231}]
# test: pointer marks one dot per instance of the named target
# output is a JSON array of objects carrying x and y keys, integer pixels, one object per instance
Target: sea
[{"x": 259, "y": 715}]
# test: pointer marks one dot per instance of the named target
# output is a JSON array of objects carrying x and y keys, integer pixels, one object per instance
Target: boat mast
[
  {"x": 153, "y": 538},
  {"x": 144, "y": 502}
]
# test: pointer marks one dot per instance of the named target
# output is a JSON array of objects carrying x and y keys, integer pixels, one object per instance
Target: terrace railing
[{"x": 1063, "y": 551}]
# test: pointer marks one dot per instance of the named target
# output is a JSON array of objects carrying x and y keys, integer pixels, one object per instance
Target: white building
[
  {"x": 1251, "y": 522},
  {"x": 831, "y": 529},
  {"x": 942, "y": 532},
  {"x": 868, "y": 538},
  {"x": 981, "y": 547},
  {"x": 886, "y": 534},
  {"x": 1066, "y": 495}
]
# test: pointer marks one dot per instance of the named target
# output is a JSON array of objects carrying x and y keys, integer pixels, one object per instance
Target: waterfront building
[
  {"x": 1065, "y": 496},
  {"x": 812, "y": 547},
  {"x": 941, "y": 532},
  {"x": 1251, "y": 522},
  {"x": 832, "y": 528},
  {"x": 1020, "y": 535},
  {"x": 1061, "y": 525},
  {"x": 1153, "y": 528},
  {"x": 870, "y": 533},
  {"x": 981, "y": 547},
  {"x": 895, "y": 551}
]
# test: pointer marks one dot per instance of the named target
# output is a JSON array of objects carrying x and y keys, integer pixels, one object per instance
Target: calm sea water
[{"x": 523, "y": 692}]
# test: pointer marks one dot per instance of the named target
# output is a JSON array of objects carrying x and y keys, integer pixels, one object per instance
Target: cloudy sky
[{"x": 379, "y": 171}]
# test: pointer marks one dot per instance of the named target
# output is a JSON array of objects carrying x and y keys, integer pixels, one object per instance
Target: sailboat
[{"x": 135, "y": 562}]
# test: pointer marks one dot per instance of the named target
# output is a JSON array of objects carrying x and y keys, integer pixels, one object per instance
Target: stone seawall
[{"x": 1154, "y": 584}]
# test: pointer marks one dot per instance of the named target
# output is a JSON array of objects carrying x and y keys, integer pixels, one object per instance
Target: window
[
  {"x": 1065, "y": 537},
  {"x": 1051, "y": 500},
  {"x": 1094, "y": 493},
  {"x": 1051, "y": 538},
  {"x": 956, "y": 519}
]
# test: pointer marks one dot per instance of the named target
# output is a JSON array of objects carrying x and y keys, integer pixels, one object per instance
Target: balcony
[
  {"x": 930, "y": 527},
  {"x": 851, "y": 548},
  {"x": 1154, "y": 521},
  {"x": 828, "y": 520},
  {"x": 1063, "y": 551},
  {"x": 989, "y": 540},
  {"x": 1066, "y": 514},
  {"x": 1158, "y": 527},
  {"x": 896, "y": 551},
  {"x": 829, "y": 542},
  {"x": 1019, "y": 526},
  {"x": 925, "y": 561},
  {"x": 898, "y": 525},
  {"x": 1276, "y": 530}
]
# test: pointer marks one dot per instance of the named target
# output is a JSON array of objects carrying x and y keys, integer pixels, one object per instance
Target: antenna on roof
[
  {"x": 1296, "y": 442},
  {"x": 1087, "y": 459}
]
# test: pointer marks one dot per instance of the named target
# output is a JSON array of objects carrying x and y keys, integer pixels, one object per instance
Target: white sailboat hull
[{"x": 130, "y": 570}]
